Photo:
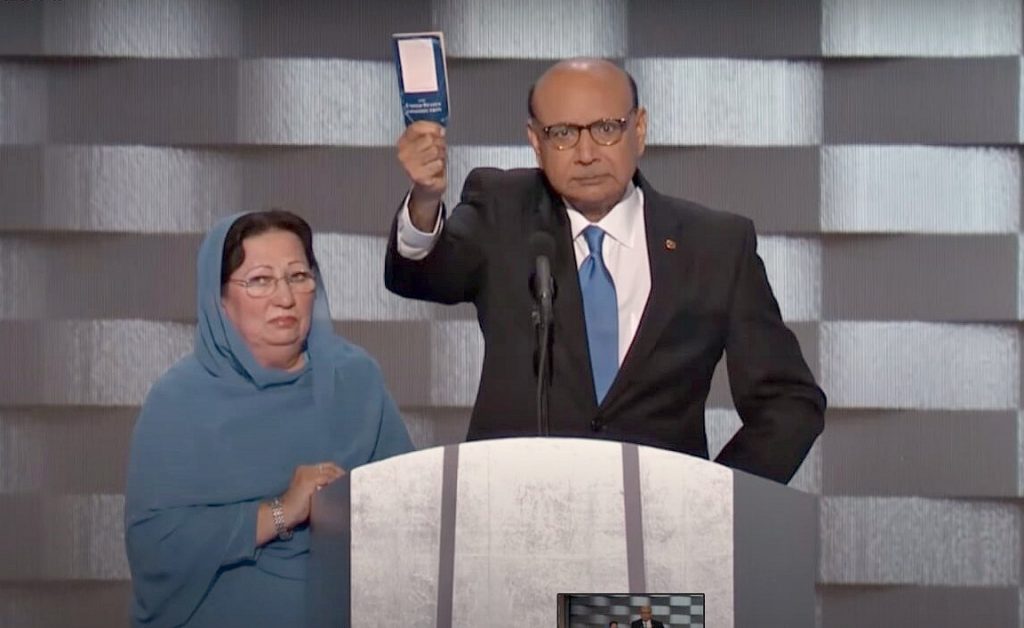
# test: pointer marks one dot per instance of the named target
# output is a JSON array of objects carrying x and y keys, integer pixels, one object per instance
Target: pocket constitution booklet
[{"x": 422, "y": 76}]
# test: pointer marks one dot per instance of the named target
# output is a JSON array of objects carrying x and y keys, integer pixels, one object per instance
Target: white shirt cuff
[{"x": 412, "y": 243}]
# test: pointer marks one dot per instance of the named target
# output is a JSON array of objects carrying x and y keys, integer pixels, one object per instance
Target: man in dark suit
[
  {"x": 645, "y": 620},
  {"x": 651, "y": 290}
]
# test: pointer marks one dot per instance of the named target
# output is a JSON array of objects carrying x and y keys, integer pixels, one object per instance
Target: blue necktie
[{"x": 601, "y": 311}]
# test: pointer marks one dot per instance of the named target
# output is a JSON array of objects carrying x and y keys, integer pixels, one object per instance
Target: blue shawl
[{"x": 218, "y": 434}]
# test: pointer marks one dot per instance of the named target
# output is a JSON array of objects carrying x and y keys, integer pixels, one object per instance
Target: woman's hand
[
  {"x": 296, "y": 501},
  {"x": 306, "y": 480}
]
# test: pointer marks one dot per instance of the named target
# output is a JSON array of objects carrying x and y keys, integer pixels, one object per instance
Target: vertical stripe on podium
[
  {"x": 446, "y": 550},
  {"x": 635, "y": 559},
  {"x": 329, "y": 594}
]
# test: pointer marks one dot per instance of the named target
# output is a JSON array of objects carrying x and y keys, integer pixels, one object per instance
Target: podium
[{"x": 488, "y": 533}]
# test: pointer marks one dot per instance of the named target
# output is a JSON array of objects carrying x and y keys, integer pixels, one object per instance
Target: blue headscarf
[{"x": 219, "y": 434}]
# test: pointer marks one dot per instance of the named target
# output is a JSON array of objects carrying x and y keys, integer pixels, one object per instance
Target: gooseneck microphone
[{"x": 542, "y": 286}]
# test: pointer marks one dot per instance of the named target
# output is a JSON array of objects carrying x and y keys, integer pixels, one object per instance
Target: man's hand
[{"x": 423, "y": 153}]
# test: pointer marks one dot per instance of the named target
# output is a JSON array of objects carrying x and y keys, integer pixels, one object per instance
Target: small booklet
[{"x": 422, "y": 76}]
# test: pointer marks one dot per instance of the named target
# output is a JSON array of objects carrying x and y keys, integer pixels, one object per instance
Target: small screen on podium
[{"x": 627, "y": 610}]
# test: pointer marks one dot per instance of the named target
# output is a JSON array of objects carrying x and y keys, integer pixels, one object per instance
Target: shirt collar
[{"x": 621, "y": 223}]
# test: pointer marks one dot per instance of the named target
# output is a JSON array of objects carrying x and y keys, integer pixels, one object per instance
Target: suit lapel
[{"x": 669, "y": 261}]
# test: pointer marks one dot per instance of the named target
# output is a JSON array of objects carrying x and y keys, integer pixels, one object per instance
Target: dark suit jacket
[
  {"x": 709, "y": 294},
  {"x": 654, "y": 624}
]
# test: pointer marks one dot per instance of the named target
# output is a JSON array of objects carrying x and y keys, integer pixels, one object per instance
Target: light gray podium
[{"x": 488, "y": 533}]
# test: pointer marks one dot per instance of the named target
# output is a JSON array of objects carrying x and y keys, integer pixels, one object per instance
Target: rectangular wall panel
[
  {"x": 915, "y": 541},
  {"x": 921, "y": 101},
  {"x": 932, "y": 453},
  {"x": 776, "y": 187},
  {"x": 920, "y": 28},
  {"x": 920, "y": 278},
  {"x": 920, "y": 189},
  {"x": 920, "y": 365},
  {"x": 533, "y": 29},
  {"x": 725, "y": 28},
  {"x": 730, "y": 102}
]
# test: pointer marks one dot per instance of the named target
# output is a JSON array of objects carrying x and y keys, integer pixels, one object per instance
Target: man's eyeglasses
[
  {"x": 606, "y": 132},
  {"x": 262, "y": 286}
]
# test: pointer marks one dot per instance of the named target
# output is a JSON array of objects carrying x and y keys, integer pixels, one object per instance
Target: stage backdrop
[{"x": 876, "y": 143}]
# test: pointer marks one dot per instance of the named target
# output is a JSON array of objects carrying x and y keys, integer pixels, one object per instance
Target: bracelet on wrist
[{"x": 277, "y": 512}]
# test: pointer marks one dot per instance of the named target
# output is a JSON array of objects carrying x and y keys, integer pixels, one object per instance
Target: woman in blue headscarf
[{"x": 233, "y": 441}]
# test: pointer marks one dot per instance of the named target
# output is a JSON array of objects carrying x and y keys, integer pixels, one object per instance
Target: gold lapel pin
[{"x": 670, "y": 244}]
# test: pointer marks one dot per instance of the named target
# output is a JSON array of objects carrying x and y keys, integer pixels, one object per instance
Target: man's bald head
[{"x": 586, "y": 65}]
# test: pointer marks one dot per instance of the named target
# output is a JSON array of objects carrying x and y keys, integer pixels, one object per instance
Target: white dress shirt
[{"x": 624, "y": 251}]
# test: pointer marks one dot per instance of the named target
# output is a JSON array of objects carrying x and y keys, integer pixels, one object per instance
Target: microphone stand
[{"x": 542, "y": 318}]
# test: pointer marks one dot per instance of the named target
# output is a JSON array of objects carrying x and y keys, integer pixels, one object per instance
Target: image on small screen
[{"x": 630, "y": 610}]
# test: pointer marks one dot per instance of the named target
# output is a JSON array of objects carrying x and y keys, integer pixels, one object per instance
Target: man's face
[
  {"x": 592, "y": 177},
  {"x": 645, "y": 613}
]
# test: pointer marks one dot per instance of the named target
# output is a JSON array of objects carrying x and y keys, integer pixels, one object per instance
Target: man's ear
[
  {"x": 535, "y": 143},
  {"x": 641, "y": 131}
]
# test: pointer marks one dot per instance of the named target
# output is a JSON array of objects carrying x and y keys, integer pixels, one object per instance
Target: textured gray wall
[{"x": 875, "y": 142}]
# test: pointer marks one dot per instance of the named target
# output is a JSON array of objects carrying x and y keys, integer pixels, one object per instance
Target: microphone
[{"x": 542, "y": 250}]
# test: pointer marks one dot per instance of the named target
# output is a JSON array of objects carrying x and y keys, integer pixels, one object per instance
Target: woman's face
[{"x": 274, "y": 326}]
